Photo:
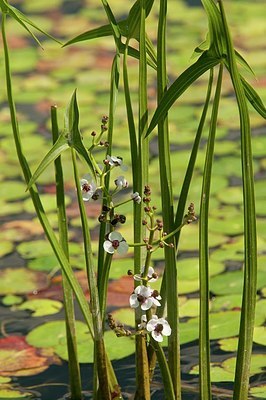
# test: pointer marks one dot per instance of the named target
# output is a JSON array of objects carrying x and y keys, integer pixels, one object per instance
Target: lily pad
[
  {"x": 13, "y": 190},
  {"x": 228, "y": 302},
  {"x": 52, "y": 334},
  {"x": 231, "y": 195},
  {"x": 228, "y": 344},
  {"x": 260, "y": 335},
  {"x": 49, "y": 203},
  {"x": 18, "y": 358},
  {"x": 258, "y": 391},
  {"x": 41, "y": 307},
  {"x": 21, "y": 281},
  {"x": 11, "y": 300},
  {"x": 189, "y": 238},
  {"x": 188, "y": 268},
  {"x": 6, "y": 247},
  {"x": 7, "y": 392},
  {"x": 232, "y": 282}
]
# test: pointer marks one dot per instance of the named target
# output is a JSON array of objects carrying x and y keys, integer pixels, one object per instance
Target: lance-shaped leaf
[
  {"x": 253, "y": 98},
  {"x": 23, "y": 20},
  {"x": 60, "y": 145},
  {"x": 217, "y": 42},
  {"x": 190, "y": 75},
  {"x": 73, "y": 133}
]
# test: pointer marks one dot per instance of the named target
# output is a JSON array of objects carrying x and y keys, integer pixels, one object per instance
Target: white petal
[
  {"x": 115, "y": 236},
  {"x": 156, "y": 302},
  {"x": 156, "y": 336},
  {"x": 137, "y": 277},
  {"x": 122, "y": 248},
  {"x": 147, "y": 304},
  {"x": 133, "y": 301},
  {"x": 107, "y": 245},
  {"x": 166, "y": 329}
]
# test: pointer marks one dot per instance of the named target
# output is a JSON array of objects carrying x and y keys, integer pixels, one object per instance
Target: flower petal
[
  {"x": 115, "y": 236},
  {"x": 107, "y": 245},
  {"x": 123, "y": 247}
]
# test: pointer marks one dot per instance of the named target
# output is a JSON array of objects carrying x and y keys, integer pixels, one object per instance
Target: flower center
[
  {"x": 155, "y": 293},
  {"x": 115, "y": 244},
  {"x": 159, "y": 328},
  {"x": 141, "y": 298},
  {"x": 86, "y": 187}
]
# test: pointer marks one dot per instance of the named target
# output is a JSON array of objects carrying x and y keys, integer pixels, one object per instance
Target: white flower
[
  {"x": 87, "y": 187},
  {"x": 145, "y": 297},
  {"x": 143, "y": 322},
  {"x": 151, "y": 276},
  {"x": 136, "y": 197},
  {"x": 115, "y": 241},
  {"x": 158, "y": 327},
  {"x": 116, "y": 162},
  {"x": 121, "y": 182}
]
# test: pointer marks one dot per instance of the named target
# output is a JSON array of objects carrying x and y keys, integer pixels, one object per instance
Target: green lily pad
[
  {"x": 52, "y": 334},
  {"x": 125, "y": 316},
  {"x": 189, "y": 238},
  {"x": 41, "y": 307},
  {"x": 218, "y": 373},
  {"x": 228, "y": 344},
  {"x": 34, "y": 249},
  {"x": 11, "y": 393},
  {"x": 21, "y": 281},
  {"x": 188, "y": 268},
  {"x": 260, "y": 335},
  {"x": 231, "y": 195},
  {"x": 10, "y": 208},
  {"x": 232, "y": 282},
  {"x": 258, "y": 391},
  {"x": 49, "y": 203},
  {"x": 231, "y": 226},
  {"x": 228, "y": 302},
  {"x": 13, "y": 190},
  {"x": 6, "y": 248},
  {"x": 11, "y": 300},
  {"x": 227, "y": 254},
  {"x": 189, "y": 309}
]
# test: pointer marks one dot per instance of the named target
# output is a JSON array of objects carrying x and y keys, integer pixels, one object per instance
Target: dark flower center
[
  {"x": 86, "y": 187},
  {"x": 141, "y": 298},
  {"x": 155, "y": 293},
  {"x": 115, "y": 244},
  {"x": 159, "y": 328}
]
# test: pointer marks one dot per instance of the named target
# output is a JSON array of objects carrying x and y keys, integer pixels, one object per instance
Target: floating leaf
[
  {"x": 228, "y": 344},
  {"x": 188, "y": 268},
  {"x": 41, "y": 307},
  {"x": 21, "y": 281},
  {"x": 6, "y": 247},
  {"x": 232, "y": 282},
  {"x": 7, "y": 392},
  {"x": 18, "y": 358},
  {"x": 228, "y": 302},
  {"x": 11, "y": 300},
  {"x": 260, "y": 335},
  {"x": 258, "y": 391},
  {"x": 52, "y": 334}
]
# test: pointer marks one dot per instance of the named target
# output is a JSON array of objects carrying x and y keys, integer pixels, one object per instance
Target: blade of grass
[
  {"x": 74, "y": 370},
  {"x": 204, "y": 340},
  {"x": 241, "y": 385}
]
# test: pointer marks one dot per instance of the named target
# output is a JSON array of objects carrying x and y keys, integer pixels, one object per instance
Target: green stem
[
  {"x": 101, "y": 363},
  {"x": 74, "y": 370},
  {"x": 244, "y": 352},
  {"x": 204, "y": 340}
]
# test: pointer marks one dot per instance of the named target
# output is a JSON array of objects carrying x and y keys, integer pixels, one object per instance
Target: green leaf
[
  {"x": 253, "y": 98},
  {"x": 73, "y": 133},
  {"x": 243, "y": 63},
  {"x": 41, "y": 307},
  {"x": 190, "y": 75},
  {"x": 217, "y": 44},
  {"x": 23, "y": 20},
  {"x": 57, "y": 149}
]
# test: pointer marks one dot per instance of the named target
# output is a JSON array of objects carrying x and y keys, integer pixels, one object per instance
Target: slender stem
[
  {"x": 244, "y": 352},
  {"x": 101, "y": 363},
  {"x": 205, "y": 382},
  {"x": 74, "y": 370}
]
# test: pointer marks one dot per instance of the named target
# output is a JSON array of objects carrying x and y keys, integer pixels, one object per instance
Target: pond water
[{"x": 28, "y": 269}]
